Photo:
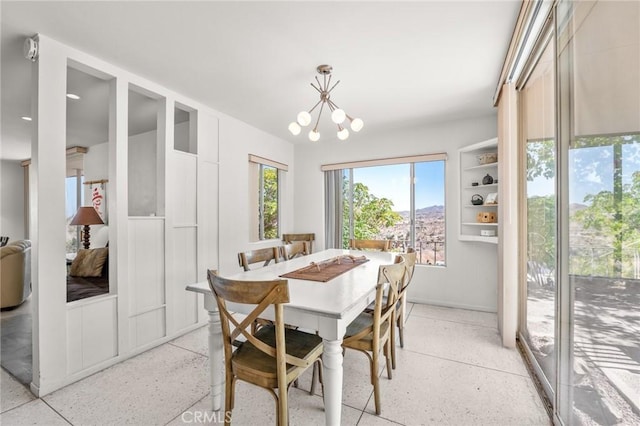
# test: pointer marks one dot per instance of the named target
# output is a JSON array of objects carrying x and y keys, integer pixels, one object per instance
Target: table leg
[
  {"x": 216, "y": 360},
  {"x": 332, "y": 376}
]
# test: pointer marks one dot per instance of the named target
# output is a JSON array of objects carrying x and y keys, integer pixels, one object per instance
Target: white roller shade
[
  {"x": 383, "y": 162},
  {"x": 606, "y": 73}
]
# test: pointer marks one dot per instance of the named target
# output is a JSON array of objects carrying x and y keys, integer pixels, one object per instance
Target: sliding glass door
[
  {"x": 580, "y": 145},
  {"x": 538, "y": 314},
  {"x": 598, "y": 53}
]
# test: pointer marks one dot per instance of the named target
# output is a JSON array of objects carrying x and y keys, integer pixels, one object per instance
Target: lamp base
[{"x": 85, "y": 236}]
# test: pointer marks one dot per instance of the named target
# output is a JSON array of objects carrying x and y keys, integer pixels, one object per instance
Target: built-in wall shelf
[
  {"x": 471, "y": 171},
  {"x": 492, "y": 185},
  {"x": 483, "y": 166}
]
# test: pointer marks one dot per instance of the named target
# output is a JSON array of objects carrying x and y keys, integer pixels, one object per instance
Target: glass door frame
[{"x": 546, "y": 36}]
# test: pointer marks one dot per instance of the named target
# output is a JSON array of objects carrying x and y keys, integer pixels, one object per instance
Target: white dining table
[{"x": 326, "y": 307}]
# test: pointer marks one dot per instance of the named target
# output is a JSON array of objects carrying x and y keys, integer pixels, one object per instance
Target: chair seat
[
  {"x": 372, "y": 305},
  {"x": 362, "y": 321},
  {"x": 249, "y": 362}
]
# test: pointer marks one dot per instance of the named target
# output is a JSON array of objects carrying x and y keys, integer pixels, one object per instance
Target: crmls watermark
[{"x": 205, "y": 417}]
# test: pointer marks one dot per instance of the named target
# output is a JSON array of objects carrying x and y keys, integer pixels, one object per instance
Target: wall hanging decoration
[{"x": 98, "y": 190}]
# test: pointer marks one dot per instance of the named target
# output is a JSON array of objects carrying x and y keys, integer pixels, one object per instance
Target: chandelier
[{"x": 338, "y": 116}]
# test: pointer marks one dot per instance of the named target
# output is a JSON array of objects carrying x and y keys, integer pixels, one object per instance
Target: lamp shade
[{"x": 86, "y": 216}]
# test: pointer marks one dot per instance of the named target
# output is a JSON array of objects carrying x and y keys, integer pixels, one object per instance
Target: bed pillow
[{"x": 89, "y": 262}]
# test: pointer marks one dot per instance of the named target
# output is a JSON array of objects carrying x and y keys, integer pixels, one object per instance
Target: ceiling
[{"x": 400, "y": 63}]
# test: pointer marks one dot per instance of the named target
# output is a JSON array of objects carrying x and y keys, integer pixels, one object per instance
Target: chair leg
[
  {"x": 314, "y": 372},
  {"x": 229, "y": 398},
  {"x": 401, "y": 333},
  {"x": 374, "y": 382},
  {"x": 387, "y": 354},
  {"x": 283, "y": 408},
  {"x": 393, "y": 345}
]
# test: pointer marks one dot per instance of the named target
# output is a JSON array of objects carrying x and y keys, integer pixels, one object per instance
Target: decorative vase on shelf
[{"x": 487, "y": 180}]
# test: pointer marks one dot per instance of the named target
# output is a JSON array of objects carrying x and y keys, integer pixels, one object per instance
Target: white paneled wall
[
  {"x": 184, "y": 273},
  {"x": 92, "y": 330},
  {"x": 183, "y": 204},
  {"x": 146, "y": 277},
  {"x": 184, "y": 188},
  {"x": 208, "y": 208}
]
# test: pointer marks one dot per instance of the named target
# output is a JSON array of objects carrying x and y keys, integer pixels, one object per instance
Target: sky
[
  {"x": 392, "y": 182},
  {"x": 590, "y": 172}
]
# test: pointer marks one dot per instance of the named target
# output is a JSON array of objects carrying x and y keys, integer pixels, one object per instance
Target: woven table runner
[{"x": 326, "y": 270}]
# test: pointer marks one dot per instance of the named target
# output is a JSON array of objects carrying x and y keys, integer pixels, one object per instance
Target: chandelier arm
[
  {"x": 314, "y": 107},
  {"x": 334, "y": 105},
  {"x": 315, "y": 129},
  {"x": 332, "y": 87},
  {"x": 329, "y": 82},
  {"x": 312, "y": 85},
  {"x": 319, "y": 84}
]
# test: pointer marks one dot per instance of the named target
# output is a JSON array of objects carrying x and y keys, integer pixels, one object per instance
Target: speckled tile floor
[{"x": 452, "y": 370}]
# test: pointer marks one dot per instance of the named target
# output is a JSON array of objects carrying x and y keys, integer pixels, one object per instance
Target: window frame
[
  {"x": 348, "y": 169},
  {"x": 257, "y": 167}
]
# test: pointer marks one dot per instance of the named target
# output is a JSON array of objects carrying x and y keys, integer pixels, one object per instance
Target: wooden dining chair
[
  {"x": 310, "y": 238},
  {"x": 382, "y": 245},
  {"x": 410, "y": 258},
  {"x": 371, "y": 332},
  {"x": 274, "y": 356},
  {"x": 295, "y": 249},
  {"x": 266, "y": 255}
]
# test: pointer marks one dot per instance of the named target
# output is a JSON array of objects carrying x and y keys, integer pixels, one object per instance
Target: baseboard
[{"x": 446, "y": 304}]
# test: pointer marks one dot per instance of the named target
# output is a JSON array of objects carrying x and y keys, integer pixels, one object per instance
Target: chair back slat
[
  {"x": 295, "y": 249},
  {"x": 266, "y": 255},
  {"x": 410, "y": 259},
  {"x": 382, "y": 245},
  {"x": 394, "y": 276},
  {"x": 309, "y": 238}
]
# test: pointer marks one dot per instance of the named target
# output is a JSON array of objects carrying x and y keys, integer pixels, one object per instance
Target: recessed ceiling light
[
  {"x": 73, "y": 96},
  {"x": 25, "y": 118}
]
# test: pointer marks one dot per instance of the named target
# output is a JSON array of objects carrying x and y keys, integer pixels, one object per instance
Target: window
[
  {"x": 74, "y": 199},
  {"x": 265, "y": 183},
  {"x": 402, "y": 201}
]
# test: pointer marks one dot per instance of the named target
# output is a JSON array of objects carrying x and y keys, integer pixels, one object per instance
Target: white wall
[
  {"x": 12, "y": 221},
  {"x": 470, "y": 278},
  {"x": 237, "y": 141}
]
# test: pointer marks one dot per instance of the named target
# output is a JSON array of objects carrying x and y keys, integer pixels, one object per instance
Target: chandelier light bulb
[
  {"x": 338, "y": 116},
  {"x": 314, "y": 136},
  {"x": 294, "y": 128},
  {"x": 304, "y": 118},
  {"x": 343, "y": 134},
  {"x": 357, "y": 124}
]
